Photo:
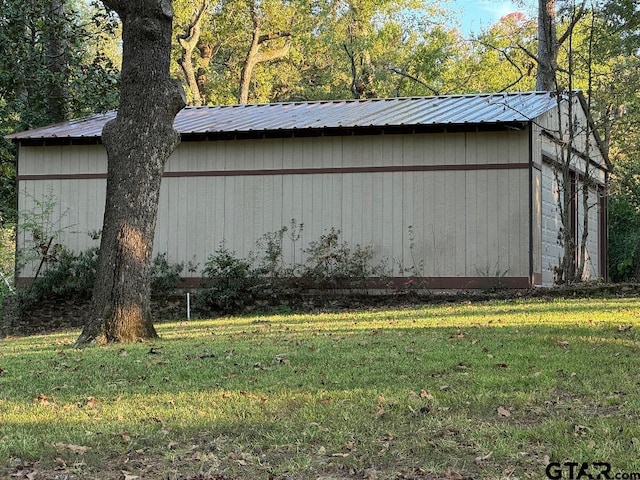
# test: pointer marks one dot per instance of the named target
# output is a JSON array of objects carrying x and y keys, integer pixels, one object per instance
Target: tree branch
[
  {"x": 574, "y": 21},
  {"x": 415, "y": 79}
]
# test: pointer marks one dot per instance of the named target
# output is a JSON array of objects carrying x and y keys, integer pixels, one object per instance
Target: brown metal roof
[{"x": 312, "y": 116}]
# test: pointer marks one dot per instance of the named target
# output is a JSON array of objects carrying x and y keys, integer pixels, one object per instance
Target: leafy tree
[
  {"x": 496, "y": 59},
  {"x": 54, "y": 66}
]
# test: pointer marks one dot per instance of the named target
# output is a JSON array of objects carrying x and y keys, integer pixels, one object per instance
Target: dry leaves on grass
[
  {"x": 71, "y": 447},
  {"x": 504, "y": 412}
]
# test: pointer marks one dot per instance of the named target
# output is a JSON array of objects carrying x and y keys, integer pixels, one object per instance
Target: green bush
[
  {"x": 165, "y": 276},
  {"x": 332, "y": 263},
  {"x": 73, "y": 275},
  {"x": 70, "y": 275},
  {"x": 624, "y": 239},
  {"x": 230, "y": 283}
]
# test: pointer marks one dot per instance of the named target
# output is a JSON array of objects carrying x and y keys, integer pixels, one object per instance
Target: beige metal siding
[
  {"x": 466, "y": 223},
  {"x": 551, "y": 222}
]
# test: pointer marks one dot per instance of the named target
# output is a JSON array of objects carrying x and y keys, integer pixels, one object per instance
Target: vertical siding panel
[
  {"x": 483, "y": 220},
  {"x": 537, "y": 220},
  {"x": 356, "y": 226},
  {"x": 460, "y": 190},
  {"x": 439, "y": 151},
  {"x": 408, "y": 213},
  {"x": 397, "y": 221},
  {"x": 504, "y": 225},
  {"x": 162, "y": 225},
  {"x": 367, "y": 210},
  {"x": 417, "y": 222},
  {"x": 460, "y": 253},
  {"x": 181, "y": 234},
  {"x": 216, "y": 225},
  {"x": 471, "y": 148},
  {"x": 194, "y": 234},
  {"x": 516, "y": 224},
  {"x": 472, "y": 221},
  {"x": 495, "y": 223},
  {"x": 231, "y": 187},
  {"x": 387, "y": 216},
  {"x": 438, "y": 224},
  {"x": 429, "y": 221}
]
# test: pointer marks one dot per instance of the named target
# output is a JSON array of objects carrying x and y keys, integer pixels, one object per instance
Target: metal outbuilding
[{"x": 460, "y": 191}]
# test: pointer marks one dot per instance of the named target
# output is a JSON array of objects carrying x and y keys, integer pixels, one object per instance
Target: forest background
[{"x": 60, "y": 60}]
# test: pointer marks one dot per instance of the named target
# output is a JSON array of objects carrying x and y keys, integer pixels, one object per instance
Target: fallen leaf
[
  {"x": 562, "y": 343},
  {"x": 426, "y": 394},
  {"x": 127, "y": 476},
  {"x": 71, "y": 447},
  {"x": 91, "y": 402},
  {"x": 453, "y": 475},
  {"x": 483, "y": 458},
  {"x": 42, "y": 399},
  {"x": 321, "y": 451},
  {"x": 380, "y": 411},
  {"x": 504, "y": 412},
  {"x": 370, "y": 474}
]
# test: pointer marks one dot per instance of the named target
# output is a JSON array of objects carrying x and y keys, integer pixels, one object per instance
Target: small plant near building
[
  {"x": 230, "y": 281},
  {"x": 165, "y": 276},
  {"x": 43, "y": 228}
]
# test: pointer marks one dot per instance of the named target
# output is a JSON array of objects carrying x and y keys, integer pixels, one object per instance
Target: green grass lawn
[{"x": 475, "y": 390}]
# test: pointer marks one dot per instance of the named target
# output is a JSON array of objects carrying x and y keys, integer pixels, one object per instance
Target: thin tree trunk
[
  {"x": 255, "y": 56},
  {"x": 138, "y": 143},
  {"x": 188, "y": 42},
  {"x": 56, "y": 63}
]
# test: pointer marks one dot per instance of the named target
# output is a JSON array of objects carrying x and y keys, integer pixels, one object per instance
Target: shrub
[
  {"x": 165, "y": 276},
  {"x": 70, "y": 275},
  {"x": 624, "y": 239},
  {"x": 230, "y": 282},
  {"x": 73, "y": 275},
  {"x": 332, "y": 263}
]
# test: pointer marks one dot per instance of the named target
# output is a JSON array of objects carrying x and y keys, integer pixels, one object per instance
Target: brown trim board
[
  {"x": 427, "y": 283},
  {"x": 295, "y": 171}
]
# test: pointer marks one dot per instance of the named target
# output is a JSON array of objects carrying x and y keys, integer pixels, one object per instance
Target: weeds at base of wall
[{"x": 331, "y": 265}]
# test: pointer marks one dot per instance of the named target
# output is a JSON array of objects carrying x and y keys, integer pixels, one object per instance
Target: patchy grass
[{"x": 487, "y": 390}]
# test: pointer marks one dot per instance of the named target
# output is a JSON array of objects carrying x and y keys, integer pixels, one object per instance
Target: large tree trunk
[
  {"x": 547, "y": 46},
  {"x": 138, "y": 143}
]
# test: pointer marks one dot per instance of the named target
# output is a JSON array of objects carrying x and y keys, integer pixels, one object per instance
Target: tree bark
[
  {"x": 188, "y": 42},
  {"x": 547, "y": 46},
  {"x": 138, "y": 143},
  {"x": 56, "y": 63}
]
